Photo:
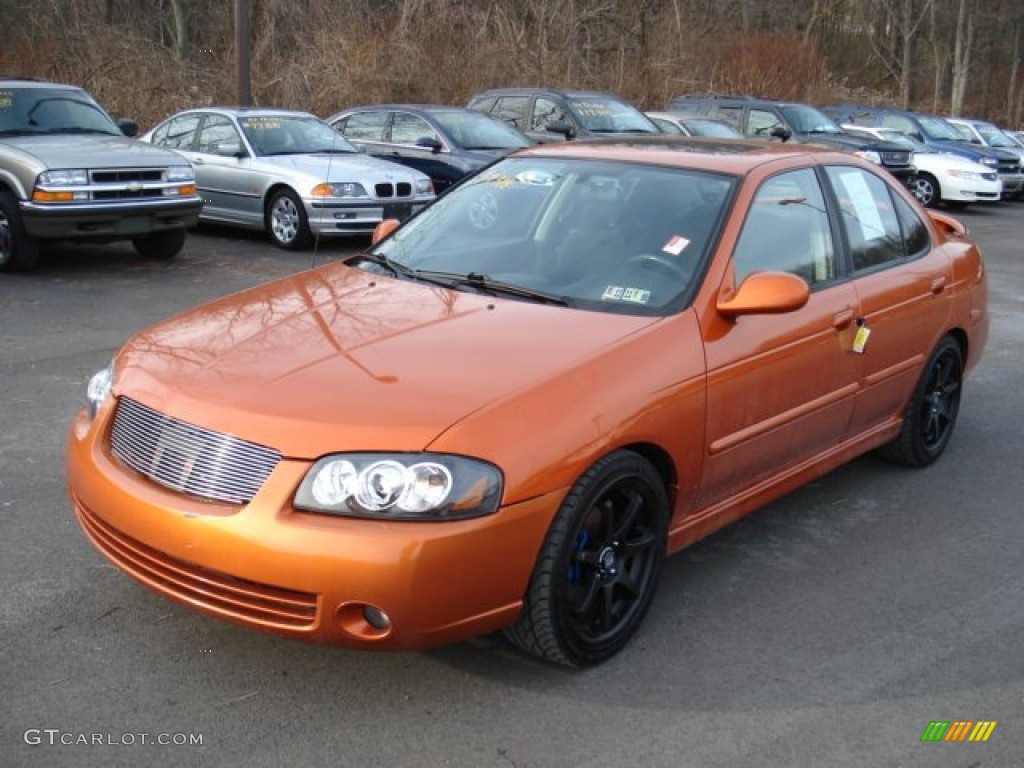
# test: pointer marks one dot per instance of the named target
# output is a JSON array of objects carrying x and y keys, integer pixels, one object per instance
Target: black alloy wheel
[
  {"x": 599, "y": 565},
  {"x": 931, "y": 414}
]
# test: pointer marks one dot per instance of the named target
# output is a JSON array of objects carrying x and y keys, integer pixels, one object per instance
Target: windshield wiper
[
  {"x": 497, "y": 288},
  {"x": 475, "y": 280}
]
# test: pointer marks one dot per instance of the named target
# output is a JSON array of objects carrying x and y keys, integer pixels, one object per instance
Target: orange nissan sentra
[{"x": 507, "y": 411}]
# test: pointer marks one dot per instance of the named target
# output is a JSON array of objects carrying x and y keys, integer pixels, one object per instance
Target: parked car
[
  {"x": 445, "y": 143},
  {"x": 508, "y": 410},
  {"x": 941, "y": 177},
  {"x": 988, "y": 135},
  {"x": 288, "y": 173},
  {"x": 937, "y": 133},
  {"x": 546, "y": 114},
  {"x": 792, "y": 121},
  {"x": 69, "y": 172},
  {"x": 688, "y": 125}
]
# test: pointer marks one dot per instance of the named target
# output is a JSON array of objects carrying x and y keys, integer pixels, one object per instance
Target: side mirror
[
  {"x": 229, "y": 149},
  {"x": 781, "y": 132},
  {"x": 766, "y": 293},
  {"x": 128, "y": 127},
  {"x": 429, "y": 142},
  {"x": 563, "y": 127},
  {"x": 384, "y": 230}
]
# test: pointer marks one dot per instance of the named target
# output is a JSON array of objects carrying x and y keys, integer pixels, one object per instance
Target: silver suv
[{"x": 69, "y": 172}]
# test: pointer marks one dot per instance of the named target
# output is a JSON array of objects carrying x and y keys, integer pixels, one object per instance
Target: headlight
[
  {"x": 339, "y": 189},
  {"x": 989, "y": 161},
  {"x": 181, "y": 173},
  {"x": 424, "y": 186},
  {"x": 966, "y": 174},
  {"x": 99, "y": 389},
  {"x": 64, "y": 178},
  {"x": 870, "y": 154},
  {"x": 400, "y": 486}
]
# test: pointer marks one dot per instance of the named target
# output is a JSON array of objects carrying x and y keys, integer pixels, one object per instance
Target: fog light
[{"x": 376, "y": 618}]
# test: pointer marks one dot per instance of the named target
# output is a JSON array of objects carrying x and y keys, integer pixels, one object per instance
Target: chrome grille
[{"x": 187, "y": 458}]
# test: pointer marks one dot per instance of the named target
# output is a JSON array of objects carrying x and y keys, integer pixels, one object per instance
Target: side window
[
  {"x": 731, "y": 115},
  {"x": 408, "y": 129},
  {"x": 217, "y": 130},
  {"x": 546, "y": 111},
  {"x": 177, "y": 133},
  {"x": 364, "y": 126},
  {"x": 512, "y": 109},
  {"x": 915, "y": 231},
  {"x": 787, "y": 230},
  {"x": 760, "y": 123},
  {"x": 868, "y": 216}
]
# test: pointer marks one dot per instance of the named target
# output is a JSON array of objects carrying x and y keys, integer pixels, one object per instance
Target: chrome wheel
[
  {"x": 286, "y": 221},
  {"x": 926, "y": 190}
]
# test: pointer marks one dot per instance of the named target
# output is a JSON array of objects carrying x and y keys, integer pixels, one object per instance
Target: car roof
[
  {"x": 243, "y": 111},
  {"x": 527, "y": 91},
  {"x": 731, "y": 156},
  {"x": 428, "y": 108}
]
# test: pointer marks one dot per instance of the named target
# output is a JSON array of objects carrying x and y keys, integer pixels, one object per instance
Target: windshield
[
  {"x": 904, "y": 140},
  {"x": 475, "y": 130},
  {"x": 993, "y": 136},
  {"x": 26, "y": 111},
  {"x": 713, "y": 128},
  {"x": 603, "y": 236},
  {"x": 937, "y": 129},
  {"x": 292, "y": 135},
  {"x": 606, "y": 115},
  {"x": 805, "y": 119}
]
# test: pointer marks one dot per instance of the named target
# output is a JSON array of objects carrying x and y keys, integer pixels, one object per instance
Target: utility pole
[{"x": 243, "y": 52}]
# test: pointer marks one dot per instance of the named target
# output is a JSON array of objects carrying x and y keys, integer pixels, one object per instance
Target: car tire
[
  {"x": 931, "y": 414},
  {"x": 286, "y": 221},
  {"x": 163, "y": 245},
  {"x": 926, "y": 189},
  {"x": 598, "y": 567},
  {"x": 18, "y": 251}
]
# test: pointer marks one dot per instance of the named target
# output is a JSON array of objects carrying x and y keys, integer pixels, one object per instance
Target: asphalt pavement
[{"x": 828, "y": 629}]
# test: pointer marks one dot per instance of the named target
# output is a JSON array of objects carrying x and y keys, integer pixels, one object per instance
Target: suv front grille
[
  {"x": 190, "y": 459},
  {"x": 121, "y": 175}
]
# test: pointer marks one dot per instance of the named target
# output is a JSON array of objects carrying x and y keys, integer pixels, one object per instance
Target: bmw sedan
[
  {"x": 288, "y": 173},
  {"x": 506, "y": 412},
  {"x": 446, "y": 143}
]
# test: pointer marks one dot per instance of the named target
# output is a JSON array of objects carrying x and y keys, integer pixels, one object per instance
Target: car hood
[
  {"x": 852, "y": 143},
  {"x": 109, "y": 151},
  {"x": 341, "y": 167},
  {"x": 337, "y": 358},
  {"x": 948, "y": 161},
  {"x": 976, "y": 149}
]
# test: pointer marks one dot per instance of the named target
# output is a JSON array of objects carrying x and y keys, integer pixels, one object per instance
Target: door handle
[
  {"x": 938, "y": 284},
  {"x": 842, "y": 318}
]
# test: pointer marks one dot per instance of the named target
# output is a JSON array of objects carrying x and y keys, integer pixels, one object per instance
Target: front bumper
[
  {"x": 266, "y": 566},
  {"x": 347, "y": 218},
  {"x": 1012, "y": 183},
  {"x": 108, "y": 220}
]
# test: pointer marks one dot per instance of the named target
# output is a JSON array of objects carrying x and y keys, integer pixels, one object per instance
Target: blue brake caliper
[{"x": 575, "y": 571}]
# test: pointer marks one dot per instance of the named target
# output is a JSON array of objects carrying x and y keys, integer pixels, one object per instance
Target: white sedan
[
  {"x": 288, "y": 173},
  {"x": 941, "y": 177}
]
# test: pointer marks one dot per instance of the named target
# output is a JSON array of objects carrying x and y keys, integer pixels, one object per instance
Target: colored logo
[{"x": 958, "y": 730}]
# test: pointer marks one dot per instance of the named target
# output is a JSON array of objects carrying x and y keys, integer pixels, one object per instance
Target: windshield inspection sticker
[
  {"x": 675, "y": 245},
  {"x": 632, "y": 295}
]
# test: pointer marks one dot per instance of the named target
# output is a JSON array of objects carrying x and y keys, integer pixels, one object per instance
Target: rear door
[{"x": 901, "y": 284}]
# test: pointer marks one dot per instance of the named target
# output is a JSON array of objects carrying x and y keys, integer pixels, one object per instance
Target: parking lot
[{"x": 829, "y": 629}]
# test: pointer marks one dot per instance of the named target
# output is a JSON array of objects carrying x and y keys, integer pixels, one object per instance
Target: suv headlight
[
  {"x": 181, "y": 173},
  {"x": 99, "y": 389},
  {"x": 990, "y": 161},
  {"x": 64, "y": 178},
  {"x": 400, "y": 486},
  {"x": 870, "y": 154}
]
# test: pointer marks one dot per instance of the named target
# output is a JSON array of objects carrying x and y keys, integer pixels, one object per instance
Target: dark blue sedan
[{"x": 446, "y": 143}]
